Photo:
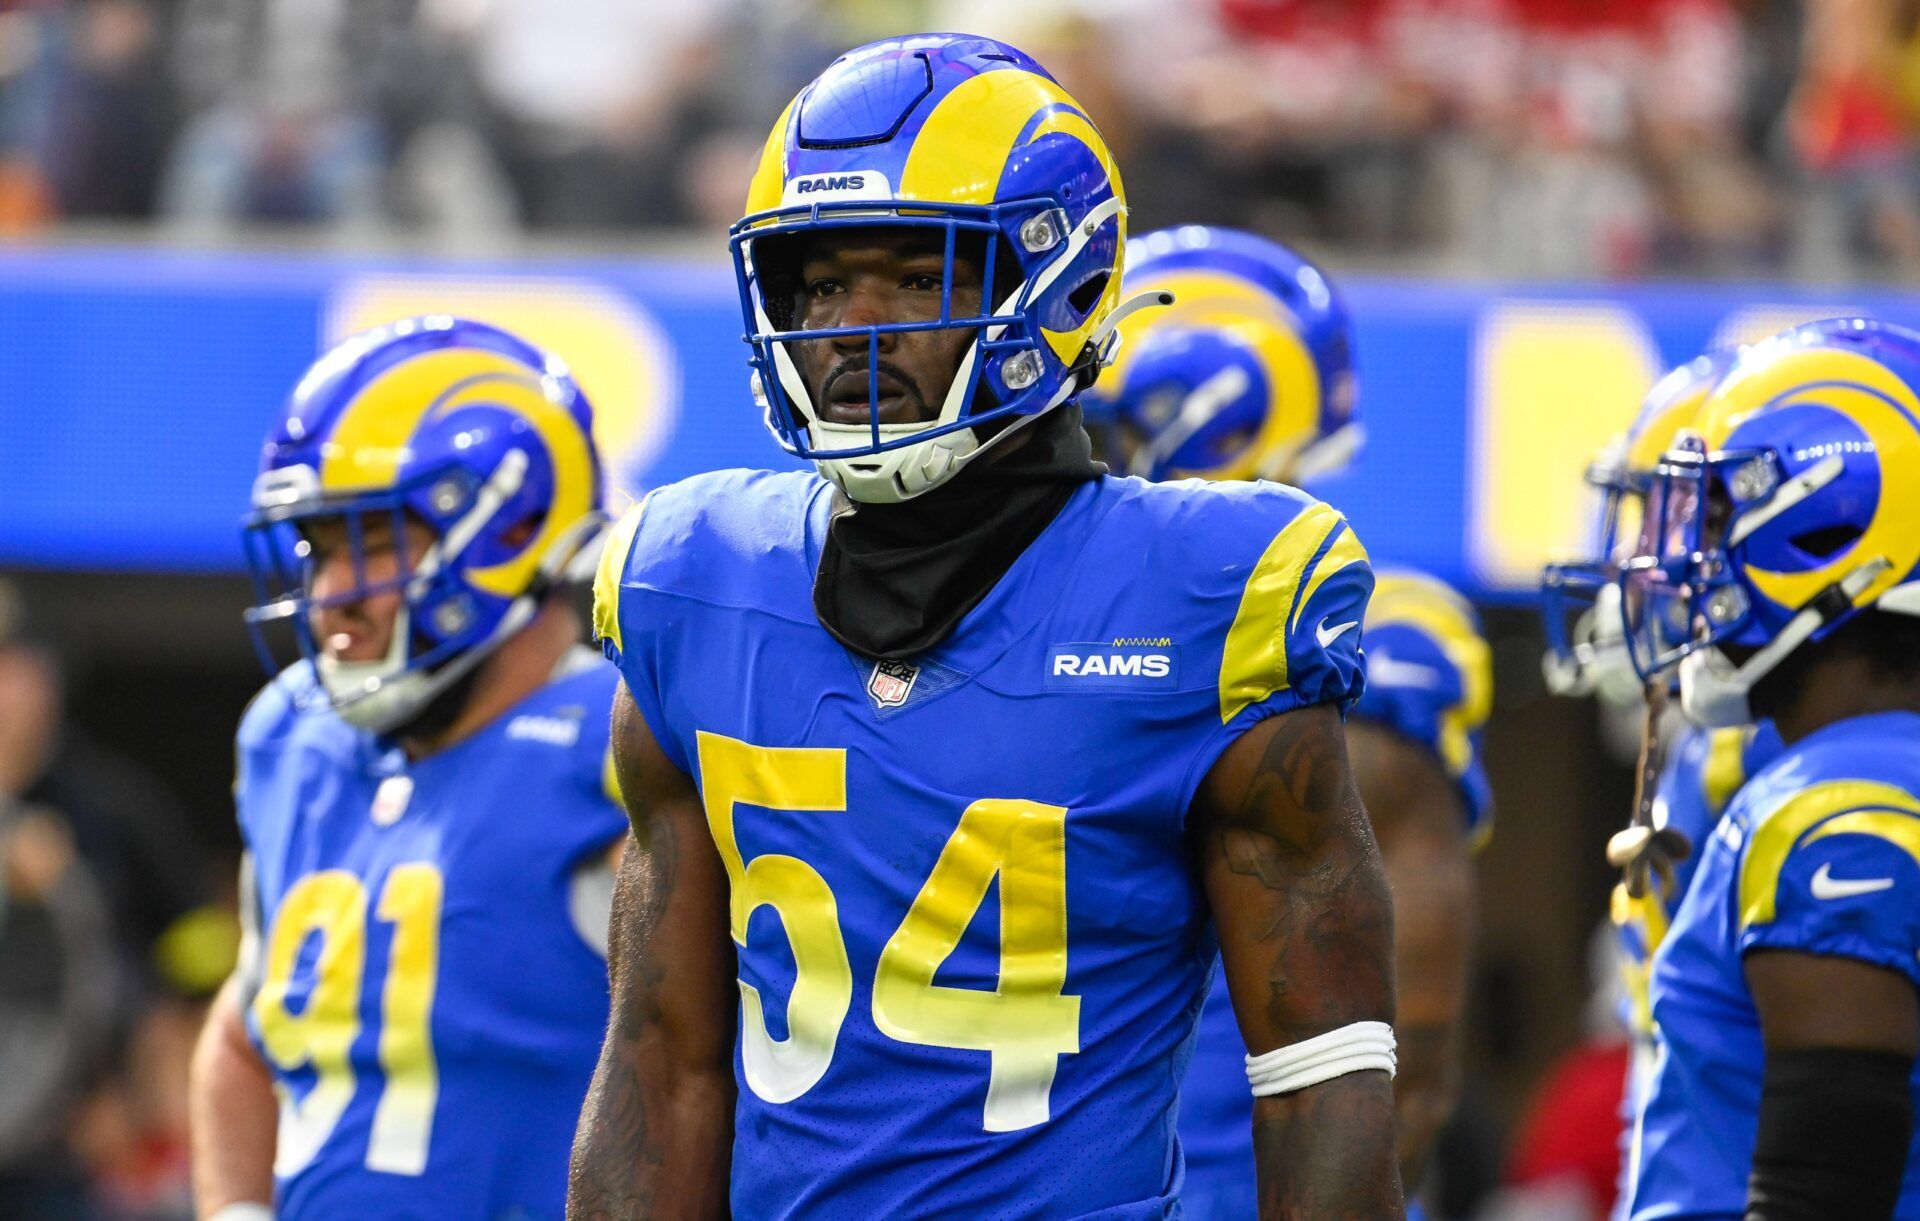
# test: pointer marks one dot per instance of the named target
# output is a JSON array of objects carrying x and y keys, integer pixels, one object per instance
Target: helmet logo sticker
[{"x": 861, "y": 184}]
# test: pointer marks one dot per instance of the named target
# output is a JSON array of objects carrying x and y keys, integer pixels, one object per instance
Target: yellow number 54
[{"x": 1025, "y": 1024}]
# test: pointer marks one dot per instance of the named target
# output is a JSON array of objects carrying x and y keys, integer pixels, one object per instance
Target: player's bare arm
[
  {"x": 656, "y": 1133},
  {"x": 232, "y": 1110},
  {"x": 1306, "y": 931},
  {"x": 1840, "y": 1037},
  {"x": 1416, "y": 816}
]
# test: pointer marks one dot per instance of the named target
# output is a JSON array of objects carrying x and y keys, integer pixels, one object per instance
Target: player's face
[
  {"x": 867, "y": 277},
  {"x": 359, "y": 629}
]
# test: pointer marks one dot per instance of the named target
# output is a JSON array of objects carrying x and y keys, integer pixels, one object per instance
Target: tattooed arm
[
  {"x": 1306, "y": 931},
  {"x": 656, "y": 1133},
  {"x": 1418, "y": 817}
]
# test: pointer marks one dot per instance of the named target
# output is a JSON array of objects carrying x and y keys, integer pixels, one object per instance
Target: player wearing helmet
[
  {"x": 1691, "y": 779},
  {"x": 1250, "y": 375},
  {"x": 962, "y": 662},
  {"x": 1779, "y": 572},
  {"x": 423, "y": 798},
  {"x": 1580, "y": 600}
]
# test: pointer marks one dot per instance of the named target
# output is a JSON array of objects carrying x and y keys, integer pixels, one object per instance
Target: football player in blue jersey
[
  {"x": 1249, "y": 375},
  {"x": 424, "y": 798},
  {"x": 1702, "y": 768},
  {"x": 943, "y": 755},
  {"x": 1778, "y": 571}
]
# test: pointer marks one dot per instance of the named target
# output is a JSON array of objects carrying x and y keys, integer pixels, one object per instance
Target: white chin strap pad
[
  {"x": 1356, "y": 1048},
  {"x": 1713, "y": 694}
]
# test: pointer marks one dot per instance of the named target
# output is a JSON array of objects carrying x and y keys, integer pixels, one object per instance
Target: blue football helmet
[
  {"x": 1248, "y": 376},
  {"x": 970, "y": 140},
  {"x": 1795, "y": 505},
  {"x": 1580, "y": 600},
  {"x": 456, "y": 425}
]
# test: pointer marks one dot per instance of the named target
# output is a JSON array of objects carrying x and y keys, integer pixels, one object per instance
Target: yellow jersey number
[
  {"x": 332, "y": 906},
  {"x": 1025, "y": 1024}
]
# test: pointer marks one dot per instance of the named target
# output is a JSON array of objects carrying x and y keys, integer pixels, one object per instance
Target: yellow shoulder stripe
[
  {"x": 1254, "y": 663},
  {"x": 1445, "y": 618},
  {"x": 1726, "y": 767},
  {"x": 1650, "y": 914},
  {"x": 1346, "y": 550},
  {"x": 606, "y": 579},
  {"x": 1837, "y": 807}
]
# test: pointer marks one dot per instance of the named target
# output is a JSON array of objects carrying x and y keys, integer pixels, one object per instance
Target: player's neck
[
  {"x": 520, "y": 667},
  {"x": 1839, "y": 689}
]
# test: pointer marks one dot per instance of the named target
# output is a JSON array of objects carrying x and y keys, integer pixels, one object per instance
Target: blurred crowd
[
  {"x": 114, "y": 931},
  {"x": 1506, "y": 137}
]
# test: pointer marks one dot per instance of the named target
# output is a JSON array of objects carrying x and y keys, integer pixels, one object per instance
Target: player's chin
[{"x": 352, "y": 651}]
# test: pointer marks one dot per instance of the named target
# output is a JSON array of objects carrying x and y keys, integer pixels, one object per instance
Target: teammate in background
[
  {"x": 961, "y": 660},
  {"x": 1779, "y": 571},
  {"x": 425, "y": 798},
  {"x": 1250, "y": 376},
  {"x": 1703, "y": 768}
]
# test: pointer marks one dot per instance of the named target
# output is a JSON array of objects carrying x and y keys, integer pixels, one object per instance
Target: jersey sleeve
[
  {"x": 1295, "y": 637},
  {"x": 1430, "y": 679},
  {"x": 622, "y": 631},
  {"x": 1835, "y": 869},
  {"x": 607, "y": 579},
  {"x": 260, "y": 743}
]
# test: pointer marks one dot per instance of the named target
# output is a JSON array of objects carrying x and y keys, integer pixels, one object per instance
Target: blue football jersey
[
  {"x": 1430, "y": 679},
  {"x": 1818, "y": 853},
  {"x": 427, "y": 1002},
  {"x": 971, "y": 946},
  {"x": 1704, "y": 768}
]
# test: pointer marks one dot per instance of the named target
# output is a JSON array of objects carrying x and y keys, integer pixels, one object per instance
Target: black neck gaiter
[{"x": 894, "y": 579}]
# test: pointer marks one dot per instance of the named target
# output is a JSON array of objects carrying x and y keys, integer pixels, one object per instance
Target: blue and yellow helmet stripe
[
  {"x": 1238, "y": 299},
  {"x": 1875, "y": 393}
]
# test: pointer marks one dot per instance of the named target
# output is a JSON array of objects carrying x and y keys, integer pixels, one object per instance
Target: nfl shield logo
[
  {"x": 892, "y": 682},
  {"x": 390, "y": 800}
]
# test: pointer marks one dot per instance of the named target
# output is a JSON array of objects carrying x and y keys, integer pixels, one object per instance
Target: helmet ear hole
[
  {"x": 522, "y": 532},
  {"x": 1827, "y": 541},
  {"x": 1087, "y": 295}
]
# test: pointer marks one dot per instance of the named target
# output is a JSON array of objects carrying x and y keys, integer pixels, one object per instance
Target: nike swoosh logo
[
  {"x": 1326, "y": 637},
  {"x": 1388, "y": 671},
  {"x": 1826, "y": 886}
]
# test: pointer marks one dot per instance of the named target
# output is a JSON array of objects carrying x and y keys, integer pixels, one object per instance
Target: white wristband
[
  {"x": 1355, "y": 1048},
  {"x": 246, "y": 1210}
]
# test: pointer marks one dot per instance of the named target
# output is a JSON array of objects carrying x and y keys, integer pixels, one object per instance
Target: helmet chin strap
[
  {"x": 1714, "y": 692},
  {"x": 390, "y": 702}
]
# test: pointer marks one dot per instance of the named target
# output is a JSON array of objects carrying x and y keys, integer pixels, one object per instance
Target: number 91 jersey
[
  {"x": 971, "y": 948},
  {"x": 427, "y": 986}
]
